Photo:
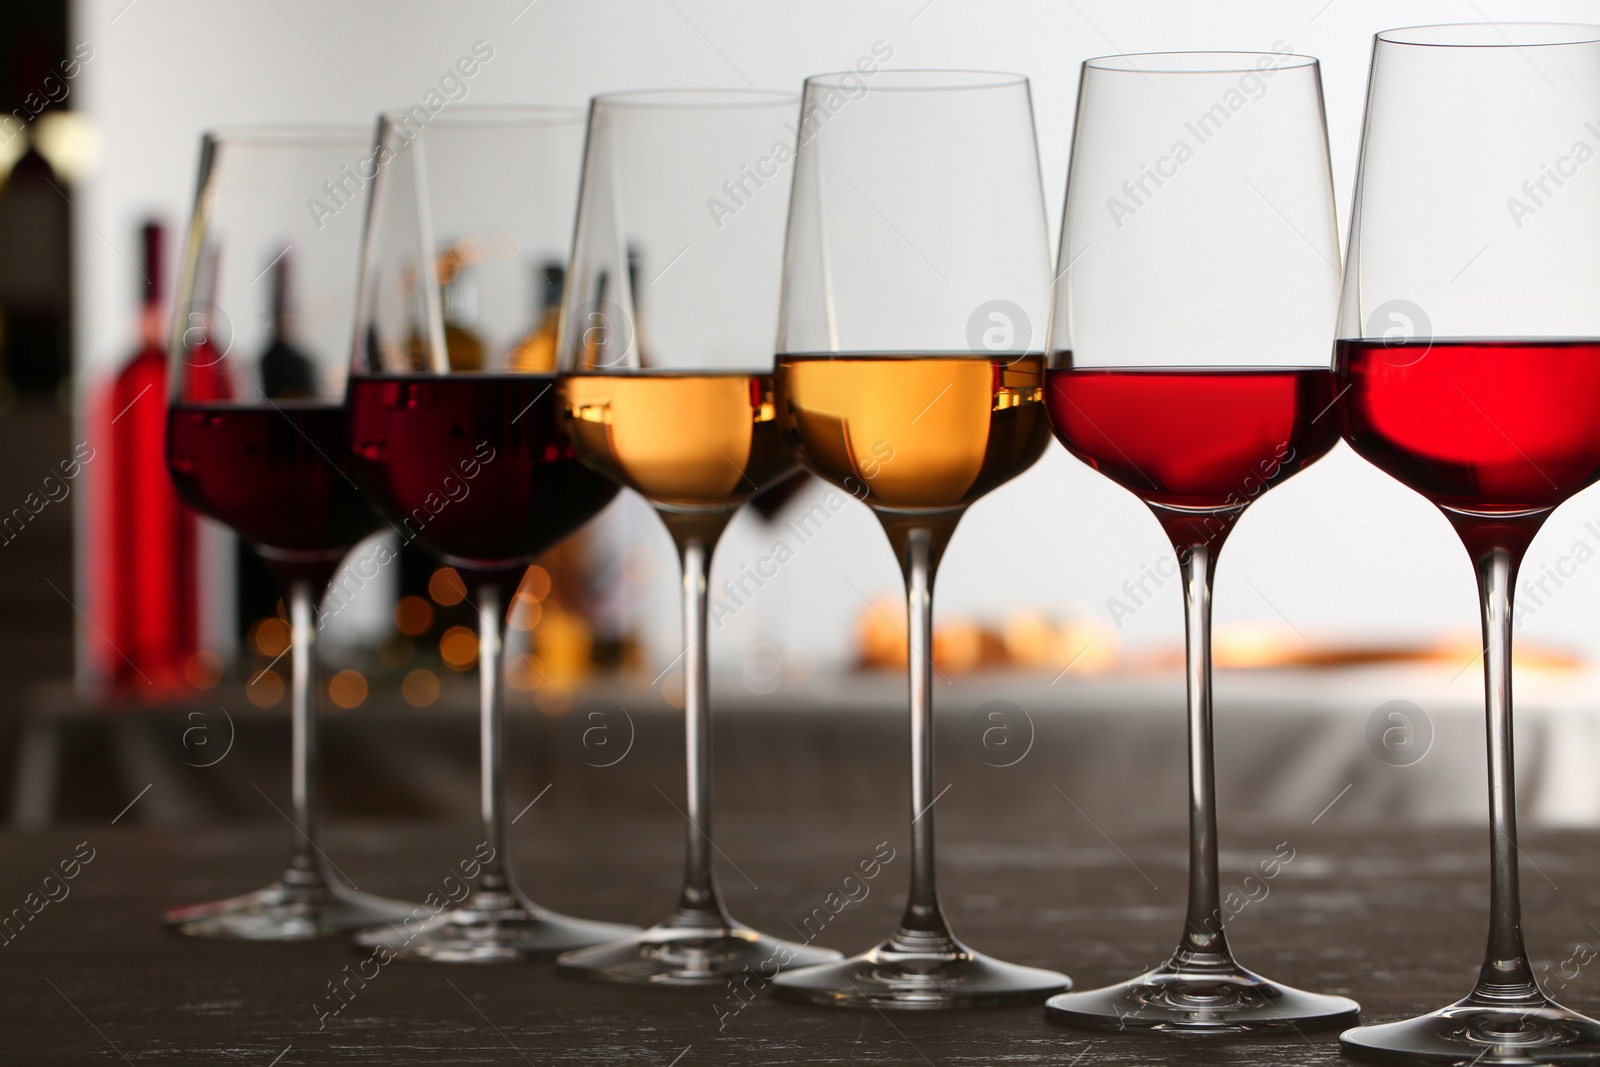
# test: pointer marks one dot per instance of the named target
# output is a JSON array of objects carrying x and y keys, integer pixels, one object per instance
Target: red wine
[
  {"x": 476, "y": 467},
  {"x": 1487, "y": 427},
  {"x": 1198, "y": 445},
  {"x": 271, "y": 471}
]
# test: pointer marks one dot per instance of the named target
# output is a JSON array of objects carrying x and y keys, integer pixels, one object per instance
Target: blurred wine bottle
[
  {"x": 458, "y": 291},
  {"x": 770, "y": 502},
  {"x": 286, "y": 372},
  {"x": 536, "y": 353},
  {"x": 145, "y": 560}
]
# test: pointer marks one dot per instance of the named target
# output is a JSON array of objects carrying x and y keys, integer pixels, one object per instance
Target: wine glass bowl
[{"x": 631, "y": 428}]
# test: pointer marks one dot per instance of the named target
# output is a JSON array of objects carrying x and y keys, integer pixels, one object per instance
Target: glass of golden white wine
[
  {"x": 910, "y": 373},
  {"x": 666, "y": 379}
]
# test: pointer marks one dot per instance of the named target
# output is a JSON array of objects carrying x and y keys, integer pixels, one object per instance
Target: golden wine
[
  {"x": 914, "y": 432},
  {"x": 683, "y": 441}
]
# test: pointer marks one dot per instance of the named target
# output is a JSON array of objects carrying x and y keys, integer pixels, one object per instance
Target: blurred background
[{"x": 1347, "y": 636}]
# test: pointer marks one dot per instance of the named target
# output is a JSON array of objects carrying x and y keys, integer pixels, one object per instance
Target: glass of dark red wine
[
  {"x": 1469, "y": 370},
  {"x": 453, "y": 426},
  {"x": 255, "y": 440},
  {"x": 1190, "y": 363},
  {"x": 666, "y": 388},
  {"x": 909, "y": 374}
]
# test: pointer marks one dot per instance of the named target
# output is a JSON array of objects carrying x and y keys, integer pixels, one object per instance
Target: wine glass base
[
  {"x": 1482, "y": 1034},
  {"x": 490, "y": 928},
  {"x": 889, "y": 977},
  {"x": 1221, "y": 999},
  {"x": 286, "y": 911},
  {"x": 690, "y": 954}
]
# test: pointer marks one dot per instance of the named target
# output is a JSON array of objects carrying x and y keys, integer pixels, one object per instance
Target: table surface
[{"x": 1392, "y": 917}]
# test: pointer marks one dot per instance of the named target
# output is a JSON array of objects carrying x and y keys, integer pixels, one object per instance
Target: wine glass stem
[
  {"x": 491, "y": 740},
  {"x": 699, "y": 897},
  {"x": 1506, "y": 974},
  {"x": 305, "y": 756},
  {"x": 1203, "y": 939},
  {"x": 923, "y": 919}
]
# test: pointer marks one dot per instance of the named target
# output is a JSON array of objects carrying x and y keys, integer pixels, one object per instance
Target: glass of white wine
[
  {"x": 911, "y": 374},
  {"x": 666, "y": 379}
]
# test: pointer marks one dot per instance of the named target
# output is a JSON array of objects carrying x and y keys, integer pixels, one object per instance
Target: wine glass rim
[
  {"x": 1432, "y": 35},
  {"x": 480, "y": 116},
  {"x": 696, "y": 99},
  {"x": 288, "y": 134},
  {"x": 948, "y": 79},
  {"x": 1200, "y": 62}
]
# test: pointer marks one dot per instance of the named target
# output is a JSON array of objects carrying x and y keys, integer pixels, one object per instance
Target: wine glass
[
  {"x": 1190, "y": 363},
  {"x": 915, "y": 287},
  {"x": 255, "y": 439},
  {"x": 1469, "y": 364},
  {"x": 667, "y": 389},
  {"x": 453, "y": 428}
]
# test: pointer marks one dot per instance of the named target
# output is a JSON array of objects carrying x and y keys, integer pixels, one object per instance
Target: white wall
[{"x": 1340, "y": 551}]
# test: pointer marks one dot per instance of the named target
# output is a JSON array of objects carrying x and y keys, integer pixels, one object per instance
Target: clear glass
[
  {"x": 667, "y": 389},
  {"x": 453, "y": 433},
  {"x": 915, "y": 287},
  {"x": 265, "y": 303},
  {"x": 1190, "y": 363},
  {"x": 1469, "y": 359}
]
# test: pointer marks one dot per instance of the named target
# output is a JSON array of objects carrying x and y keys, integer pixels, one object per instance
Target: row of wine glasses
[{"x": 926, "y": 350}]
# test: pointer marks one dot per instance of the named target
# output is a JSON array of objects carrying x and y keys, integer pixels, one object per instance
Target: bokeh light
[
  {"x": 672, "y": 689},
  {"x": 525, "y": 612},
  {"x": 420, "y": 688},
  {"x": 203, "y": 670},
  {"x": 347, "y": 689},
  {"x": 458, "y": 648},
  {"x": 639, "y": 564},
  {"x": 535, "y": 583},
  {"x": 265, "y": 689},
  {"x": 446, "y": 587},
  {"x": 413, "y": 615},
  {"x": 269, "y": 636}
]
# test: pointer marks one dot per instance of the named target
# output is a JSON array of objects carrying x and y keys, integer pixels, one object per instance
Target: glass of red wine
[
  {"x": 255, "y": 440},
  {"x": 453, "y": 428},
  {"x": 1469, "y": 369},
  {"x": 915, "y": 289},
  {"x": 1190, "y": 363},
  {"x": 666, "y": 388}
]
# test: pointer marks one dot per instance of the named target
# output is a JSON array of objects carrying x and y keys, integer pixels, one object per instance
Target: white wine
[
  {"x": 914, "y": 432},
  {"x": 687, "y": 442}
]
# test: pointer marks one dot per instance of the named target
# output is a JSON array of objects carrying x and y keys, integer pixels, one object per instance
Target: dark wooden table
[{"x": 1393, "y": 918}]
